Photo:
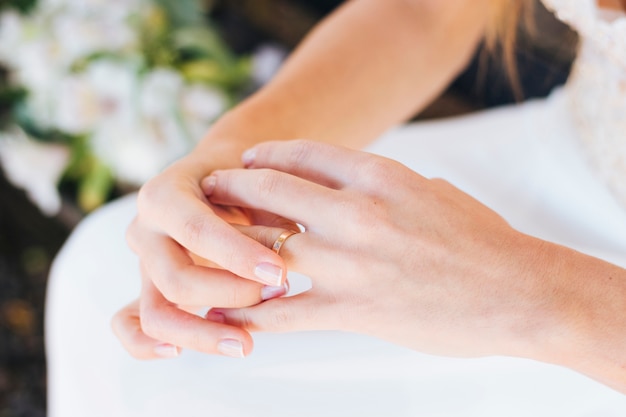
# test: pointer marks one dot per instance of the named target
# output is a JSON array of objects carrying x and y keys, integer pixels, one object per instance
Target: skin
[
  {"x": 463, "y": 283},
  {"x": 472, "y": 275},
  {"x": 368, "y": 52},
  {"x": 612, "y": 4}
]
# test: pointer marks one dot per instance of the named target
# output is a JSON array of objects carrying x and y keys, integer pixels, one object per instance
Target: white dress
[{"x": 537, "y": 164}]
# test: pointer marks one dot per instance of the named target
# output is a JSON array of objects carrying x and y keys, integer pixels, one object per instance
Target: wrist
[
  {"x": 532, "y": 312},
  {"x": 576, "y": 315}
]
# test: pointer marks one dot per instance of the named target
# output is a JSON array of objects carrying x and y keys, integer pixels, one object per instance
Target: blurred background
[{"x": 97, "y": 96}]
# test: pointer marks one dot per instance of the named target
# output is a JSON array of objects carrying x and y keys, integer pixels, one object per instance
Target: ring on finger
[{"x": 278, "y": 243}]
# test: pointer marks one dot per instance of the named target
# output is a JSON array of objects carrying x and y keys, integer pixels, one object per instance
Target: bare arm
[
  {"x": 464, "y": 283},
  {"x": 368, "y": 66},
  {"x": 589, "y": 333},
  {"x": 371, "y": 64}
]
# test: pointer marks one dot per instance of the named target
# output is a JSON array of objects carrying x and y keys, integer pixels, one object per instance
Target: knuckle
[
  {"x": 148, "y": 194},
  {"x": 231, "y": 299},
  {"x": 117, "y": 324},
  {"x": 279, "y": 320},
  {"x": 197, "y": 228},
  {"x": 379, "y": 173},
  {"x": 171, "y": 287},
  {"x": 151, "y": 324},
  {"x": 373, "y": 169},
  {"x": 440, "y": 182},
  {"x": 267, "y": 183},
  {"x": 300, "y": 151}
]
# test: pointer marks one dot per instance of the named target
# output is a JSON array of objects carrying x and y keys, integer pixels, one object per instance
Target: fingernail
[
  {"x": 248, "y": 157},
  {"x": 231, "y": 347},
  {"x": 215, "y": 316},
  {"x": 166, "y": 350},
  {"x": 269, "y": 273},
  {"x": 269, "y": 291},
  {"x": 208, "y": 184}
]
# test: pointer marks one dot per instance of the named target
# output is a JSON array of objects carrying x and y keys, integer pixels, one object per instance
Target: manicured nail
[
  {"x": 215, "y": 316},
  {"x": 166, "y": 350},
  {"x": 231, "y": 347},
  {"x": 269, "y": 291},
  {"x": 269, "y": 273},
  {"x": 248, "y": 157},
  {"x": 208, "y": 184}
]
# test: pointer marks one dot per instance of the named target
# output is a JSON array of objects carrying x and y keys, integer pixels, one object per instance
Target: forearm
[
  {"x": 368, "y": 66},
  {"x": 581, "y": 321}
]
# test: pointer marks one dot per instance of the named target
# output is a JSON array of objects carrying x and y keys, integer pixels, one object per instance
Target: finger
[
  {"x": 192, "y": 223},
  {"x": 162, "y": 320},
  {"x": 265, "y": 189},
  {"x": 127, "y": 328},
  {"x": 334, "y": 166},
  {"x": 302, "y": 312},
  {"x": 265, "y": 218},
  {"x": 182, "y": 281},
  {"x": 318, "y": 162},
  {"x": 293, "y": 250}
]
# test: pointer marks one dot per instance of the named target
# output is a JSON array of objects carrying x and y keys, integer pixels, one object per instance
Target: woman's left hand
[{"x": 390, "y": 253}]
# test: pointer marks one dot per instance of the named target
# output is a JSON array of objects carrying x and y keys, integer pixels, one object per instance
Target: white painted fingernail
[
  {"x": 208, "y": 184},
  {"x": 248, "y": 157},
  {"x": 231, "y": 347},
  {"x": 269, "y": 274},
  {"x": 269, "y": 291},
  {"x": 166, "y": 350}
]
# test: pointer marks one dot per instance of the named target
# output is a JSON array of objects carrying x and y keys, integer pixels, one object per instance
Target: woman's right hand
[{"x": 192, "y": 258}]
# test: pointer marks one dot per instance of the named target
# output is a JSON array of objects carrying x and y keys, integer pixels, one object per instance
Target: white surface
[{"x": 522, "y": 161}]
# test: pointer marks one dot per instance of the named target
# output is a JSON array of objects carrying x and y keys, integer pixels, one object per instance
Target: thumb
[{"x": 288, "y": 314}]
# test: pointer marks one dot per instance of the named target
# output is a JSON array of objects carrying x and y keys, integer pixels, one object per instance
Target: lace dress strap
[{"x": 608, "y": 33}]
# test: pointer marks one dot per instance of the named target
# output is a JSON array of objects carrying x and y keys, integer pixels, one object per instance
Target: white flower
[
  {"x": 200, "y": 105},
  {"x": 115, "y": 87},
  {"x": 35, "y": 64},
  {"x": 137, "y": 152},
  {"x": 11, "y": 27},
  {"x": 159, "y": 92},
  {"x": 79, "y": 108},
  {"x": 112, "y": 8},
  {"x": 79, "y": 35},
  {"x": 266, "y": 61},
  {"x": 104, "y": 92},
  {"x": 35, "y": 167},
  {"x": 202, "y": 102}
]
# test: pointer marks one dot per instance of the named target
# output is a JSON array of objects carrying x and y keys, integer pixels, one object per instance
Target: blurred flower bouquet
[{"x": 105, "y": 93}]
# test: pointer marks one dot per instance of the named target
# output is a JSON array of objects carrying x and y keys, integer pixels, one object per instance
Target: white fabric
[
  {"x": 524, "y": 161},
  {"x": 596, "y": 88},
  {"x": 519, "y": 160}
]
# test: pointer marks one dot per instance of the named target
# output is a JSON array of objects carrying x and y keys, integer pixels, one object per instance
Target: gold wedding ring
[{"x": 278, "y": 243}]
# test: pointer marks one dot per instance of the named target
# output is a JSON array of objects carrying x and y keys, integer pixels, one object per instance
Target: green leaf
[
  {"x": 203, "y": 42},
  {"x": 211, "y": 72},
  {"x": 95, "y": 187},
  {"x": 23, "y": 6},
  {"x": 183, "y": 12}
]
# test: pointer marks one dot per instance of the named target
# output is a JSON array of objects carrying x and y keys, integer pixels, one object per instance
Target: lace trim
[{"x": 609, "y": 36}]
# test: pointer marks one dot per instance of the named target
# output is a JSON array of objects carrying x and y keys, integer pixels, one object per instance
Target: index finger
[{"x": 182, "y": 212}]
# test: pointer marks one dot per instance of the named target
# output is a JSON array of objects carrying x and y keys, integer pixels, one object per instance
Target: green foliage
[
  {"x": 94, "y": 179},
  {"x": 23, "y": 6},
  {"x": 9, "y": 97},
  {"x": 183, "y": 13},
  {"x": 176, "y": 34},
  {"x": 172, "y": 34}
]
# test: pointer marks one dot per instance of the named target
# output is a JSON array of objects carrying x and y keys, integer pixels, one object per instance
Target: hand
[
  {"x": 390, "y": 253},
  {"x": 190, "y": 258}
]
